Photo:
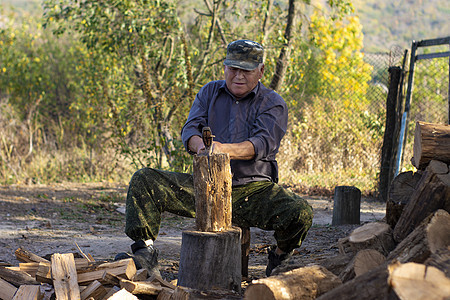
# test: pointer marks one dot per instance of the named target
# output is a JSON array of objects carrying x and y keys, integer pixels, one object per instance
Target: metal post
[{"x": 402, "y": 138}]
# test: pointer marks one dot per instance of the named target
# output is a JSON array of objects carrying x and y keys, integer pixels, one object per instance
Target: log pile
[
  {"x": 67, "y": 277},
  {"x": 406, "y": 256}
]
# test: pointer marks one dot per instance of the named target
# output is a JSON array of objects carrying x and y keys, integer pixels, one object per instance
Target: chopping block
[{"x": 210, "y": 255}]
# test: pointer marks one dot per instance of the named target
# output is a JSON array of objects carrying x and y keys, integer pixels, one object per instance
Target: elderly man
[{"x": 248, "y": 121}]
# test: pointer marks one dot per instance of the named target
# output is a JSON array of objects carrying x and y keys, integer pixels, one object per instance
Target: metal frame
[{"x": 414, "y": 46}]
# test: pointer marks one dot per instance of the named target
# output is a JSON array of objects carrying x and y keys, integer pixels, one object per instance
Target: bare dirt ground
[{"x": 47, "y": 219}]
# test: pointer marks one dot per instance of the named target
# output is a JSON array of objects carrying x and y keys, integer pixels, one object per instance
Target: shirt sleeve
[
  {"x": 197, "y": 119},
  {"x": 269, "y": 128}
]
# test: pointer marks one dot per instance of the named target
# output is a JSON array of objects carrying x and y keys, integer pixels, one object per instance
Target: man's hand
[
  {"x": 196, "y": 145},
  {"x": 240, "y": 151}
]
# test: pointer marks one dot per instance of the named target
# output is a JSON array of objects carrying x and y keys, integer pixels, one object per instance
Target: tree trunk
[
  {"x": 303, "y": 283},
  {"x": 283, "y": 59},
  {"x": 431, "y": 142}
]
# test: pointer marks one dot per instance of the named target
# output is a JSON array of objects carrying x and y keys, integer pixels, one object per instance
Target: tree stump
[
  {"x": 347, "y": 204},
  {"x": 210, "y": 260},
  {"x": 210, "y": 256}
]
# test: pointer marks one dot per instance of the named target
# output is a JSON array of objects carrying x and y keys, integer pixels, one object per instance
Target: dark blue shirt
[{"x": 260, "y": 117}]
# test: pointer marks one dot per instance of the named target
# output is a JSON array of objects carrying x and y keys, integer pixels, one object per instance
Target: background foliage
[{"x": 93, "y": 90}]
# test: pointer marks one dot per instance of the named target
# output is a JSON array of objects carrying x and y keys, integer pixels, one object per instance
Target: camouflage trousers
[{"x": 261, "y": 204}]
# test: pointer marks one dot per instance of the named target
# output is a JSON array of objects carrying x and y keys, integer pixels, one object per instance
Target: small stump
[
  {"x": 347, "y": 205},
  {"x": 211, "y": 260}
]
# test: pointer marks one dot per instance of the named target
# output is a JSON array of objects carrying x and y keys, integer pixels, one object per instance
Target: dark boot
[
  {"x": 143, "y": 256},
  {"x": 275, "y": 260}
]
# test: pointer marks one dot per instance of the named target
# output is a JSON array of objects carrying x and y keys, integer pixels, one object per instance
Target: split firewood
[
  {"x": 431, "y": 193},
  {"x": 111, "y": 292},
  {"x": 433, "y": 233},
  {"x": 441, "y": 260},
  {"x": 111, "y": 279},
  {"x": 303, "y": 283},
  {"x": 364, "y": 261},
  {"x": 44, "y": 273},
  {"x": 375, "y": 235},
  {"x": 140, "y": 287},
  {"x": 431, "y": 141},
  {"x": 123, "y": 294},
  {"x": 17, "y": 278},
  {"x": 140, "y": 275},
  {"x": 158, "y": 280},
  {"x": 64, "y": 274},
  {"x": 124, "y": 268},
  {"x": 28, "y": 292},
  {"x": 7, "y": 290},
  {"x": 95, "y": 290},
  {"x": 23, "y": 255},
  {"x": 415, "y": 281},
  {"x": 399, "y": 194}
]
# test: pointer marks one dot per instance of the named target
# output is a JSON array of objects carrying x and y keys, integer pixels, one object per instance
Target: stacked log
[{"x": 407, "y": 256}]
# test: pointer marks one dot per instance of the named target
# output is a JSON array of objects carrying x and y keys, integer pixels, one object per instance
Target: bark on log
[
  {"x": 414, "y": 281},
  {"x": 432, "y": 193},
  {"x": 303, "y": 283},
  {"x": 335, "y": 264},
  {"x": 432, "y": 233},
  {"x": 369, "y": 286},
  {"x": 400, "y": 192},
  {"x": 441, "y": 260},
  {"x": 375, "y": 235},
  {"x": 347, "y": 204},
  {"x": 431, "y": 141},
  {"x": 212, "y": 185},
  {"x": 210, "y": 259}
]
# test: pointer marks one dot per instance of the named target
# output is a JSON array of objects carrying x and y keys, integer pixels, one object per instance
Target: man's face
[{"x": 241, "y": 82}]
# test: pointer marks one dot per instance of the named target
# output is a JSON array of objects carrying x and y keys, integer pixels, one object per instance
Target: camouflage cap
[{"x": 244, "y": 54}]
